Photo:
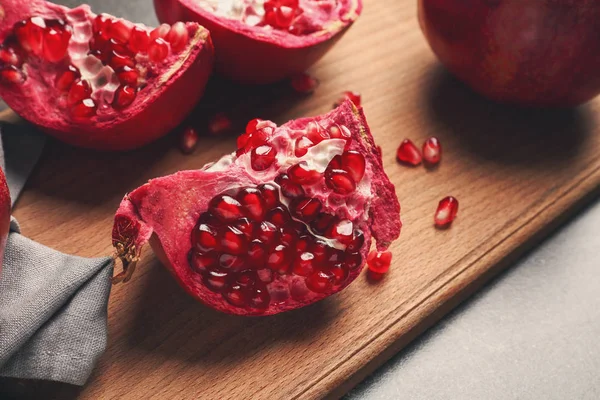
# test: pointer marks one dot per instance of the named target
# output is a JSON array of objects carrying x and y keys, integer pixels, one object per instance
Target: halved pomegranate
[
  {"x": 264, "y": 230},
  {"x": 265, "y": 41},
  {"x": 98, "y": 81}
]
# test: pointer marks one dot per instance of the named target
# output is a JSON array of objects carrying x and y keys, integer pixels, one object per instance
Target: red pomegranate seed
[
  {"x": 177, "y": 36},
  {"x": 303, "y": 243},
  {"x": 226, "y": 208},
  {"x": 278, "y": 259},
  {"x": 340, "y": 273},
  {"x": 215, "y": 280},
  {"x": 322, "y": 223},
  {"x": 320, "y": 281},
  {"x": 315, "y": 132},
  {"x": 55, "y": 44},
  {"x": 270, "y": 194},
  {"x": 189, "y": 140},
  {"x": 128, "y": 76},
  {"x": 253, "y": 203},
  {"x": 230, "y": 262},
  {"x": 348, "y": 95},
  {"x": 102, "y": 22},
  {"x": 358, "y": 239},
  {"x": 267, "y": 233},
  {"x": 409, "y": 153},
  {"x": 158, "y": 50},
  {"x": 205, "y": 238},
  {"x": 352, "y": 260},
  {"x": 354, "y": 163},
  {"x": 235, "y": 295},
  {"x": 432, "y": 151},
  {"x": 30, "y": 34},
  {"x": 303, "y": 265},
  {"x": 288, "y": 235},
  {"x": 161, "y": 32},
  {"x": 220, "y": 123},
  {"x": 260, "y": 298},
  {"x": 379, "y": 261},
  {"x": 245, "y": 226},
  {"x": 8, "y": 56},
  {"x": 118, "y": 60},
  {"x": 79, "y": 90},
  {"x": 319, "y": 249},
  {"x": 233, "y": 241},
  {"x": 446, "y": 211},
  {"x": 306, "y": 209},
  {"x": 119, "y": 30},
  {"x": 262, "y": 157},
  {"x": 202, "y": 262},
  {"x": 289, "y": 188},
  {"x": 252, "y": 125},
  {"x": 85, "y": 109},
  {"x": 124, "y": 96},
  {"x": 278, "y": 216},
  {"x": 256, "y": 254},
  {"x": 302, "y": 145},
  {"x": 302, "y": 174},
  {"x": 66, "y": 79},
  {"x": 304, "y": 83},
  {"x": 139, "y": 40},
  {"x": 342, "y": 231},
  {"x": 340, "y": 181},
  {"x": 11, "y": 74}
]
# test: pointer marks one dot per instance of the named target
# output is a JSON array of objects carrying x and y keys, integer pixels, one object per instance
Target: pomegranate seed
[
  {"x": 205, "y": 238},
  {"x": 161, "y": 32},
  {"x": 226, "y": 208},
  {"x": 288, "y": 235},
  {"x": 66, "y": 79},
  {"x": 340, "y": 274},
  {"x": 128, "y": 76},
  {"x": 262, "y": 157},
  {"x": 354, "y": 163},
  {"x": 319, "y": 249},
  {"x": 253, "y": 203},
  {"x": 284, "y": 16},
  {"x": 320, "y": 281},
  {"x": 303, "y": 243},
  {"x": 354, "y": 97},
  {"x": 340, "y": 132},
  {"x": 230, "y": 262},
  {"x": 139, "y": 40},
  {"x": 446, "y": 211},
  {"x": 11, "y": 74},
  {"x": 315, "y": 133},
  {"x": 289, "y": 188},
  {"x": 335, "y": 163},
  {"x": 233, "y": 241},
  {"x": 118, "y": 60},
  {"x": 322, "y": 223},
  {"x": 340, "y": 181},
  {"x": 303, "y": 175},
  {"x": 306, "y": 209},
  {"x": 215, "y": 280},
  {"x": 267, "y": 233},
  {"x": 158, "y": 50},
  {"x": 342, "y": 231},
  {"x": 432, "y": 151},
  {"x": 256, "y": 254},
  {"x": 303, "y": 265},
  {"x": 30, "y": 34},
  {"x": 409, "y": 153},
  {"x": 358, "y": 239},
  {"x": 202, "y": 262},
  {"x": 379, "y": 261},
  {"x": 177, "y": 36},
  {"x": 260, "y": 298},
  {"x": 270, "y": 194},
  {"x": 252, "y": 125},
  {"x": 219, "y": 124},
  {"x": 189, "y": 140},
  {"x": 302, "y": 145},
  {"x": 235, "y": 295},
  {"x": 102, "y": 22},
  {"x": 278, "y": 259},
  {"x": 353, "y": 260},
  {"x": 79, "y": 90},
  {"x": 85, "y": 109},
  {"x": 119, "y": 31},
  {"x": 278, "y": 216},
  {"x": 245, "y": 226},
  {"x": 8, "y": 56},
  {"x": 304, "y": 83},
  {"x": 124, "y": 96}
]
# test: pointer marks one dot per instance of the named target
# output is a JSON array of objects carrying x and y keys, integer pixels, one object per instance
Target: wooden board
[{"x": 516, "y": 173}]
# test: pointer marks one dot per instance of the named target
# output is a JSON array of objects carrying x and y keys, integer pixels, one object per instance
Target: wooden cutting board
[{"x": 516, "y": 173}]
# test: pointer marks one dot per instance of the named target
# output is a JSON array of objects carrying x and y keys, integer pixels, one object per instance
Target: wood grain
[{"x": 516, "y": 173}]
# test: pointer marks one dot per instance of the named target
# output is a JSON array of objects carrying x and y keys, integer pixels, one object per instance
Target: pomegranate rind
[
  {"x": 5, "y": 208},
  {"x": 246, "y": 54},
  {"x": 166, "y": 101},
  {"x": 165, "y": 210}
]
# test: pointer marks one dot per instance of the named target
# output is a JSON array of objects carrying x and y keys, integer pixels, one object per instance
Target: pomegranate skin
[
  {"x": 247, "y": 56},
  {"x": 5, "y": 207},
  {"x": 529, "y": 53},
  {"x": 165, "y": 102}
]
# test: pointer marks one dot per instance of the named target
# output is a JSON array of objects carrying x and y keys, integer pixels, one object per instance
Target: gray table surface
[{"x": 533, "y": 333}]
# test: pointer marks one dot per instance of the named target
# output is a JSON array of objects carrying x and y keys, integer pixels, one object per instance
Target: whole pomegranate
[
  {"x": 532, "y": 53},
  {"x": 283, "y": 222},
  {"x": 98, "y": 81},
  {"x": 5, "y": 207},
  {"x": 265, "y": 41}
]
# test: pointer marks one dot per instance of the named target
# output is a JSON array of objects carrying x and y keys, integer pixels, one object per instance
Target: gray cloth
[{"x": 53, "y": 306}]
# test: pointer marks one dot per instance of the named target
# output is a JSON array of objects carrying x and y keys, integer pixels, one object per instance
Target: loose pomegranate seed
[
  {"x": 302, "y": 145},
  {"x": 215, "y": 280},
  {"x": 320, "y": 281},
  {"x": 432, "y": 151},
  {"x": 139, "y": 40},
  {"x": 85, "y": 109},
  {"x": 379, "y": 261},
  {"x": 348, "y": 95},
  {"x": 342, "y": 231},
  {"x": 446, "y": 211},
  {"x": 304, "y": 83},
  {"x": 253, "y": 203},
  {"x": 189, "y": 140},
  {"x": 289, "y": 188},
  {"x": 11, "y": 74},
  {"x": 202, "y": 262},
  {"x": 354, "y": 163},
  {"x": 79, "y": 90},
  {"x": 128, "y": 76},
  {"x": 219, "y": 124},
  {"x": 124, "y": 96},
  {"x": 340, "y": 181},
  {"x": 226, "y": 208},
  {"x": 119, "y": 31},
  {"x": 262, "y": 157},
  {"x": 303, "y": 265},
  {"x": 161, "y": 32},
  {"x": 302, "y": 174},
  {"x": 409, "y": 153},
  {"x": 306, "y": 209},
  {"x": 158, "y": 50},
  {"x": 177, "y": 36},
  {"x": 66, "y": 79},
  {"x": 8, "y": 56}
]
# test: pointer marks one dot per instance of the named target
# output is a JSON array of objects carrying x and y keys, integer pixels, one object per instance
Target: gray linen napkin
[{"x": 52, "y": 305}]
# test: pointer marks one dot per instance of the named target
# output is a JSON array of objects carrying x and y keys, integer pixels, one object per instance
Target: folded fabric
[{"x": 53, "y": 306}]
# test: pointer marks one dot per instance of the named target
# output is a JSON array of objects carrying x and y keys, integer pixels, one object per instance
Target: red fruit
[
  {"x": 304, "y": 83},
  {"x": 352, "y": 96},
  {"x": 303, "y": 174},
  {"x": 408, "y": 153},
  {"x": 236, "y": 242},
  {"x": 379, "y": 261},
  {"x": 535, "y": 53},
  {"x": 4, "y": 215},
  {"x": 340, "y": 181},
  {"x": 189, "y": 140},
  {"x": 263, "y": 157},
  {"x": 432, "y": 151},
  {"x": 446, "y": 211},
  {"x": 291, "y": 36},
  {"x": 137, "y": 90}
]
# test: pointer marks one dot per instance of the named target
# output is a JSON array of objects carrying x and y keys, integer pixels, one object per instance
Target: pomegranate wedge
[
  {"x": 98, "y": 81},
  {"x": 262, "y": 230}
]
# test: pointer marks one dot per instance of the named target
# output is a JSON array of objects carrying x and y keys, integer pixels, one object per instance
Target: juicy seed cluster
[
  {"x": 254, "y": 250},
  {"x": 280, "y": 14}
]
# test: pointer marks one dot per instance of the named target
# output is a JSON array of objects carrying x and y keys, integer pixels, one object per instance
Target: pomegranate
[
  {"x": 5, "y": 207},
  {"x": 98, "y": 81},
  {"x": 265, "y": 41},
  {"x": 408, "y": 153},
  {"x": 446, "y": 212},
  {"x": 432, "y": 151},
  {"x": 532, "y": 53},
  {"x": 263, "y": 230}
]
